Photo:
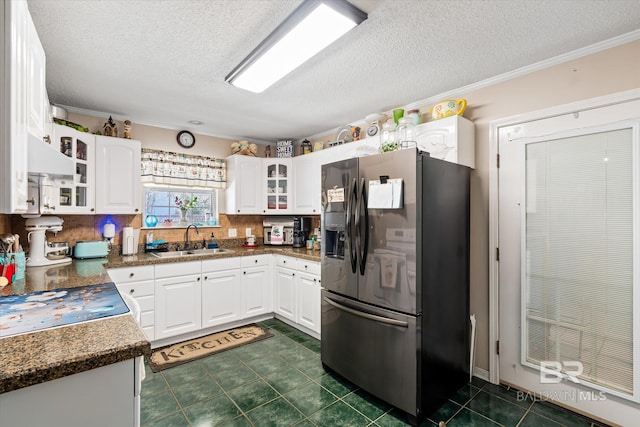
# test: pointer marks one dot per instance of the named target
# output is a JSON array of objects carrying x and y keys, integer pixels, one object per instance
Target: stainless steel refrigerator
[{"x": 395, "y": 275}]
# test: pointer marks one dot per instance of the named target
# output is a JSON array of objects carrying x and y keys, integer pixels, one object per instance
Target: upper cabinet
[
  {"x": 306, "y": 184},
  {"x": 117, "y": 175},
  {"x": 76, "y": 192},
  {"x": 13, "y": 122},
  {"x": 37, "y": 101},
  {"x": 277, "y": 192},
  {"x": 244, "y": 193}
]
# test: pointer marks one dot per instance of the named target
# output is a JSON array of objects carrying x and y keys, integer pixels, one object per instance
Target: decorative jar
[{"x": 388, "y": 141}]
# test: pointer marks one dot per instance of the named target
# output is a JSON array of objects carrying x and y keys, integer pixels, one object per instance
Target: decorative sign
[
  {"x": 284, "y": 148},
  {"x": 335, "y": 195}
]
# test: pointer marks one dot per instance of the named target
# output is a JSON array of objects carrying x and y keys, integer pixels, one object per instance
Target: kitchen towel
[{"x": 277, "y": 235}]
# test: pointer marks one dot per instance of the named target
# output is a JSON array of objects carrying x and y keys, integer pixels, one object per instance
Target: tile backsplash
[{"x": 89, "y": 227}]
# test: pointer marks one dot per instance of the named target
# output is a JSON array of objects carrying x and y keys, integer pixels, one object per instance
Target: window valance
[{"x": 165, "y": 167}]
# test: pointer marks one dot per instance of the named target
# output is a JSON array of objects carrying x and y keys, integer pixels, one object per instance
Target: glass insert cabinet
[
  {"x": 76, "y": 193},
  {"x": 276, "y": 175}
]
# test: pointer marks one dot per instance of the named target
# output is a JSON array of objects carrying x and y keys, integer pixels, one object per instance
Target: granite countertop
[{"x": 41, "y": 356}]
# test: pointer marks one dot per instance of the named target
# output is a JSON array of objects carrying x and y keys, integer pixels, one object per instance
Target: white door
[
  {"x": 306, "y": 184},
  {"x": 308, "y": 301},
  {"x": 285, "y": 303},
  {"x": 569, "y": 226},
  {"x": 117, "y": 175},
  {"x": 177, "y": 305},
  {"x": 256, "y": 291},
  {"x": 221, "y": 297}
]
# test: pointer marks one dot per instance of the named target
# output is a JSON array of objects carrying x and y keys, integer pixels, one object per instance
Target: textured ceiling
[{"x": 163, "y": 62}]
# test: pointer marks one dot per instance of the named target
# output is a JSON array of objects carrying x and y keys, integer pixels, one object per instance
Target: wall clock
[{"x": 186, "y": 139}]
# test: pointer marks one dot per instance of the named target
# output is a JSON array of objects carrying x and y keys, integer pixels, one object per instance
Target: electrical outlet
[
  {"x": 247, "y": 231},
  {"x": 233, "y": 232}
]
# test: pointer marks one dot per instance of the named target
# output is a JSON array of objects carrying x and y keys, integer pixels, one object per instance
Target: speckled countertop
[{"x": 49, "y": 354}]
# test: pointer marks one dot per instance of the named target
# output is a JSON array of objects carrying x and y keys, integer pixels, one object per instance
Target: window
[{"x": 161, "y": 202}]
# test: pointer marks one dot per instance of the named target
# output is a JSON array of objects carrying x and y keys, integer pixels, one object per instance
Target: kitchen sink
[{"x": 191, "y": 252}]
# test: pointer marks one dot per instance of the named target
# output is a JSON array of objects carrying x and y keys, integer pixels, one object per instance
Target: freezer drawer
[{"x": 374, "y": 348}]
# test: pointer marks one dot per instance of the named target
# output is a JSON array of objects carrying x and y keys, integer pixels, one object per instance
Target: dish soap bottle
[{"x": 211, "y": 244}]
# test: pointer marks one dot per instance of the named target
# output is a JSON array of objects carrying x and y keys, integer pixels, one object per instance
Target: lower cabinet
[
  {"x": 286, "y": 296},
  {"x": 102, "y": 397},
  {"x": 185, "y": 297},
  {"x": 221, "y": 297},
  {"x": 178, "y": 298},
  {"x": 257, "y": 292},
  {"x": 298, "y": 291}
]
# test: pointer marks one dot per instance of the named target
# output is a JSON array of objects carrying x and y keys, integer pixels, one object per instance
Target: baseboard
[{"x": 483, "y": 374}]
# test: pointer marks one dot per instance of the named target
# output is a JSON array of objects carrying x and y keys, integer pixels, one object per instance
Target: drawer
[
  {"x": 138, "y": 289},
  {"x": 147, "y": 303},
  {"x": 287, "y": 262},
  {"x": 310, "y": 267},
  {"x": 146, "y": 319},
  {"x": 131, "y": 274},
  {"x": 175, "y": 269},
  {"x": 213, "y": 265},
  {"x": 256, "y": 260}
]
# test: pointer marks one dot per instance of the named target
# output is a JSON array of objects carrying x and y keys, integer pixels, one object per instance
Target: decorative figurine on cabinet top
[
  {"x": 110, "y": 128},
  {"x": 127, "y": 129}
]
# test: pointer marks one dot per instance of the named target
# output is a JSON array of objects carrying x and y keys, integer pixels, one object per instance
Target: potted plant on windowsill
[{"x": 184, "y": 205}]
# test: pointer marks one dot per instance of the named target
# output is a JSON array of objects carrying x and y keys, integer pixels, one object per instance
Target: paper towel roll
[{"x": 128, "y": 241}]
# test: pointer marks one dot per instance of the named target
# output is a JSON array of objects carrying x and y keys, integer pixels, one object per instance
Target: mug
[{"x": 448, "y": 108}]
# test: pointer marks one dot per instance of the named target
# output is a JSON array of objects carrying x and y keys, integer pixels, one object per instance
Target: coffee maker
[{"x": 301, "y": 229}]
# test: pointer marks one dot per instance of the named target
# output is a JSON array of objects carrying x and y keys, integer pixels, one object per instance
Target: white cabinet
[
  {"x": 102, "y": 397},
  {"x": 37, "y": 99},
  {"x": 278, "y": 190},
  {"x": 244, "y": 193},
  {"x": 306, "y": 184},
  {"x": 298, "y": 292},
  {"x": 178, "y": 306},
  {"x": 138, "y": 282},
  {"x": 117, "y": 175},
  {"x": 77, "y": 192},
  {"x": 308, "y": 285},
  {"x": 221, "y": 292},
  {"x": 285, "y": 293},
  {"x": 451, "y": 139},
  {"x": 257, "y": 292},
  {"x": 13, "y": 110}
]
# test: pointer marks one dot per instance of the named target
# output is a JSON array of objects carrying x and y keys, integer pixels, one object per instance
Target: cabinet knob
[
  {"x": 305, "y": 267},
  {"x": 256, "y": 261},
  {"x": 198, "y": 279},
  {"x": 206, "y": 277},
  {"x": 238, "y": 210},
  {"x": 244, "y": 272},
  {"x": 136, "y": 210},
  {"x": 132, "y": 291},
  {"x": 131, "y": 274},
  {"x": 315, "y": 280},
  {"x": 92, "y": 209},
  {"x": 31, "y": 202},
  {"x": 284, "y": 262},
  {"x": 293, "y": 274}
]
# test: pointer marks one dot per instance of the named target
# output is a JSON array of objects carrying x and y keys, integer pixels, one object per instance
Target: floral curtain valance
[{"x": 165, "y": 167}]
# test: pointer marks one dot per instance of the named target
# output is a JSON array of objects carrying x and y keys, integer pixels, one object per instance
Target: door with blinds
[{"x": 569, "y": 280}]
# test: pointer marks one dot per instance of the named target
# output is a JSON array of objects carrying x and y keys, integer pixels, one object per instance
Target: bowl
[{"x": 57, "y": 250}]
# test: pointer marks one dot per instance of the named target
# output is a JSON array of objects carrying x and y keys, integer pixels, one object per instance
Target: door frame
[{"x": 494, "y": 221}]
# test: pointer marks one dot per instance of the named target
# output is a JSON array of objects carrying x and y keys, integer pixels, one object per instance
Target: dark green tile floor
[{"x": 280, "y": 382}]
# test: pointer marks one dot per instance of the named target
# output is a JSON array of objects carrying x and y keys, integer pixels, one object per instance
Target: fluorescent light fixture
[{"x": 314, "y": 25}]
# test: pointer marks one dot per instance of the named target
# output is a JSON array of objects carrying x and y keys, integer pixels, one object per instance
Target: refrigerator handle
[
  {"x": 364, "y": 246},
  {"x": 369, "y": 316},
  {"x": 351, "y": 215}
]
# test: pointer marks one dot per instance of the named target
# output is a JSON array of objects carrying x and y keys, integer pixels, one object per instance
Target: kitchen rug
[{"x": 186, "y": 351}]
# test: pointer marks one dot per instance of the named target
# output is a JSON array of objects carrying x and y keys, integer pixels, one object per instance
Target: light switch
[
  {"x": 233, "y": 232},
  {"x": 247, "y": 231}
]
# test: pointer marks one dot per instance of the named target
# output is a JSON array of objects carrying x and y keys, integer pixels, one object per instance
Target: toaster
[{"x": 91, "y": 249}]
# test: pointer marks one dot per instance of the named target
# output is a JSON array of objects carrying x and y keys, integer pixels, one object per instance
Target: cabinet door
[
  {"x": 177, "y": 305},
  {"x": 286, "y": 296},
  {"x": 13, "y": 122},
  {"x": 257, "y": 294},
  {"x": 306, "y": 184},
  {"x": 76, "y": 193},
  {"x": 277, "y": 175},
  {"x": 244, "y": 185},
  {"x": 221, "y": 297},
  {"x": 308, "y": 301},
  {"x": 117, "y": 175},
  {"x": 36, "y": 83}
]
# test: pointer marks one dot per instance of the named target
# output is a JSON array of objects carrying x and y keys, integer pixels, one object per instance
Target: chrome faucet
[{"x": 186, "y": 235}]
